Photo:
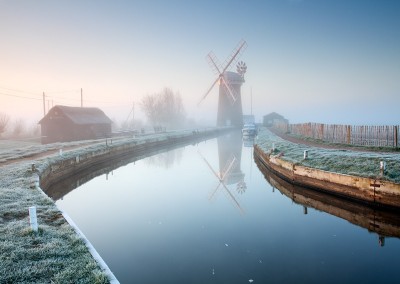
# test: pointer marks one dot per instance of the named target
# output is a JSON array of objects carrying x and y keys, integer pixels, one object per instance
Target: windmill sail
[
  {"x": 240, "y": 48},
  {"x": 229, "y": 91},
  {"x": 219, "y": 69},
  {"x": 214, "y": 63}
]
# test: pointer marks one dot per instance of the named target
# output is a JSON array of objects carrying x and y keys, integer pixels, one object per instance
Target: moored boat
[{"x": 249, "y": 129}]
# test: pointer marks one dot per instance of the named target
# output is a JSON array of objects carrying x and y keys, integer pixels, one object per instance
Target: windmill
[{"x": 229, "y": 98}]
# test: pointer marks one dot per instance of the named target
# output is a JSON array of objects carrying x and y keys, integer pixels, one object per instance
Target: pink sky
[{"x": 332, "y": 62}]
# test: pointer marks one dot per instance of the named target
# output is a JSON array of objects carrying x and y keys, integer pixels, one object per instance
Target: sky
[{"x": 327, "y": 61}]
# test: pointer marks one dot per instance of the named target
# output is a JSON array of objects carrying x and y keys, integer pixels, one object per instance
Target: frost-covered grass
[
  {"x": 56, "y": 254},
  {"x": 357, "y": 163},
  {"x": 12, "y": 150},
  {"x": 12, "y": 144},
  {"x": 349, "y": 146}
]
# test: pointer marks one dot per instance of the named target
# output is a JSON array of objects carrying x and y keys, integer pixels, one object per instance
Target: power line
[
  {"x": 18, "y": 96},
  {"x": 39, "y": 94},
  {"x": 64, "y": 92},
  {"x": 20, "y": 91},
  {"x": 60, "y": 98},
  {"x": 50, "y": 97},
  {"x": 77, "y": 99}
]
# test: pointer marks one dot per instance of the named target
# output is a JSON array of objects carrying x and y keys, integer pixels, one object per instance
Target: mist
[{"x": 308, "y": 61}]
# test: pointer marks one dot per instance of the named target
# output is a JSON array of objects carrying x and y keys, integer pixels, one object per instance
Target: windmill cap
[{"x": 233, "y": 77}]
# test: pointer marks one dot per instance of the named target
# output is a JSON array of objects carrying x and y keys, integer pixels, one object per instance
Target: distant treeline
[{"x": 364, "y": 135}]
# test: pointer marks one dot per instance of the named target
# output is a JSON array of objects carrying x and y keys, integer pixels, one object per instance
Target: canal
[{"x": 205, "y": 213}]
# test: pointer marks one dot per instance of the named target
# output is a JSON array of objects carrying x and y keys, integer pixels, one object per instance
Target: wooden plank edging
[{"x": 368, "y": 190}]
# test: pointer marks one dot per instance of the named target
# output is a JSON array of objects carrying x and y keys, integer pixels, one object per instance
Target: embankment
[
  {"x": 385, "y": 223},
  {"x": 373, "y": 191},
  {"x": 111, "y": 152}
]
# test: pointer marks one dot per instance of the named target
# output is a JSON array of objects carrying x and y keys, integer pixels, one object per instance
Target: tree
[
  {"x": 149, "y": 107},
  {"x": 19, "y": 127},
  {"x": 4, "y": 119},
  {"x": 164, "y": 109}
]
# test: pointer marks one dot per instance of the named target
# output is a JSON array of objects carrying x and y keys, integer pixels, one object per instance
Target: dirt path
[{"x": 43, "y": 154}]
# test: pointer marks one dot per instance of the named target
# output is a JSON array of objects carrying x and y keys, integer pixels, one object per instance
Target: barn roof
[{"x": 79, "y": 115}]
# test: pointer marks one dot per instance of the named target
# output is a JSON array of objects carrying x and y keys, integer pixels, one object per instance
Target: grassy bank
[
  {"x": 56, "y": 253},
  {"x": 357, "y": 163}
]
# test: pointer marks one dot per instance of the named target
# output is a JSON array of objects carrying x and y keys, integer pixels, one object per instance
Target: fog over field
[{"x": 309, "y": 60}]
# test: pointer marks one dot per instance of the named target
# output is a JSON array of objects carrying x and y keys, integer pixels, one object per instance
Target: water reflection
[
  {"x": 156, "y": 225},
  {"x": 384, "y": 223},
  {"x": 249, "y": 141},
  {"x": 163, "y": 157},
  {"x": 229, "y": 174}
]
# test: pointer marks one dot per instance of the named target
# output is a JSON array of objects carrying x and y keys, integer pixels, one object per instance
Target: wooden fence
[{"x": 377, "y": 136}]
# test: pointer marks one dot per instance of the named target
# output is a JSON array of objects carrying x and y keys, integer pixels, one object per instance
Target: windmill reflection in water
[{"x": 230, "y": 173}]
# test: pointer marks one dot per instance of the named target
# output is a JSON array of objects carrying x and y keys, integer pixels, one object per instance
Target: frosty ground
[
  {"x": 356, "y": 161},
  {"x": 57, "y": 254}
]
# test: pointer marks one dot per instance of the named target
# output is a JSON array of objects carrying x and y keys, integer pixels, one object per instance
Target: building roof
[
  {"x": 233, "y": 77},
  {"x": 78, "y": 115},
  {"x": 273, "y": 115}
]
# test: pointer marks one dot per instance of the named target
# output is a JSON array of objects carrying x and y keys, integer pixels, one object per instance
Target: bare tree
[
  {"x": 19, "y": 127},
  {"x": 148, "y": 105},
  {"x": 171, "y": 109},
  {"x": 164, "y": 108},
  {"x": 4, "y": 119}
]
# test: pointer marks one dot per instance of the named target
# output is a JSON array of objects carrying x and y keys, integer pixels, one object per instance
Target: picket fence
[{"x": 360, "y": 135}]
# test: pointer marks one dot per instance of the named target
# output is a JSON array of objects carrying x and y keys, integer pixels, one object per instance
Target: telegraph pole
[
  {"x": 44, "y": 104},
  {"x": 133, "y": 111}
]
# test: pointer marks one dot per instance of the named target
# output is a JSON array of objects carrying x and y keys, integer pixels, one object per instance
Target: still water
[{"x": 205, "y": 213}]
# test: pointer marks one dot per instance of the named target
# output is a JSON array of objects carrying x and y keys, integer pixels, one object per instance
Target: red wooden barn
[{"x": 64, "y": 123}]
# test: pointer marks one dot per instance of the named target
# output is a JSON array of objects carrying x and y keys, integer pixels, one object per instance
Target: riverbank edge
[
  {"x": 113, "y": 151},
  {"x": 371, "y": 191},
  {"x": 385, "y": 223},
  {"x": 48, "y": 170}
]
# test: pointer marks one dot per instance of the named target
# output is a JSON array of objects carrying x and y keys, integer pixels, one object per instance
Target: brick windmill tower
[{"x": 229, "y": 99}]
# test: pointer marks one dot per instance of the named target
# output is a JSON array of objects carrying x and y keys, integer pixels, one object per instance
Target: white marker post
[
  {"x": 305, "y": 154},
  {"x": 382, "y": 167},
  {"x": 33, "y": 219}
]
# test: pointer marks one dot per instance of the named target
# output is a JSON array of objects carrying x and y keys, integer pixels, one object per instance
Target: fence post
[
  {"x": 396, "y": 129},
  {"x": 348, "y": 134}
]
